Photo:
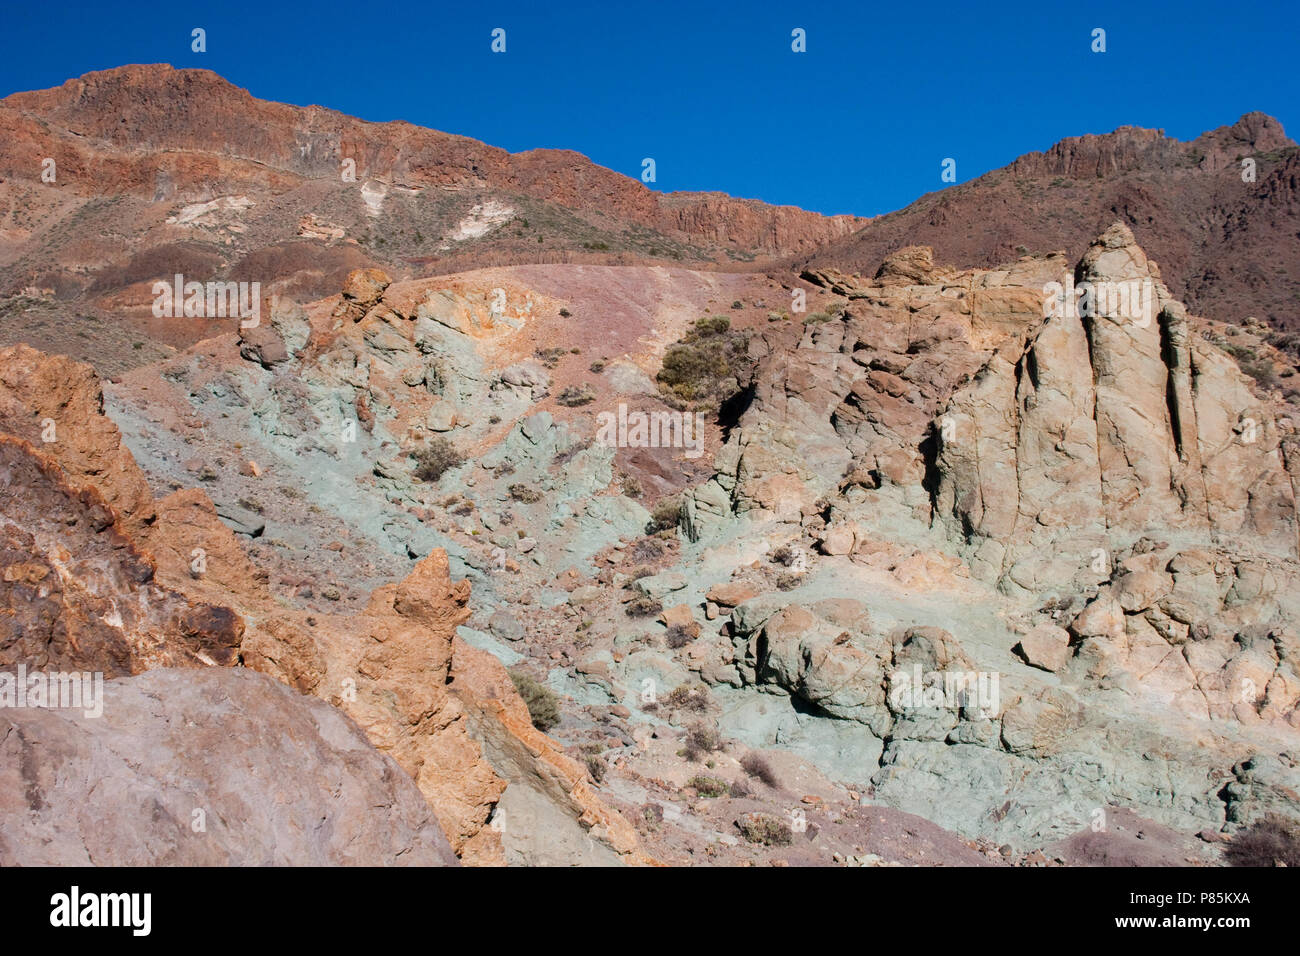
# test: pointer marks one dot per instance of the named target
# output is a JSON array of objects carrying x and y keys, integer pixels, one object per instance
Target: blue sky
[{"x": 859, "y": 123}]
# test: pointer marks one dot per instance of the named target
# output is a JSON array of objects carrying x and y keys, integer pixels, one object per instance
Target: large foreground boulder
[{"x": 203, "y": 767}]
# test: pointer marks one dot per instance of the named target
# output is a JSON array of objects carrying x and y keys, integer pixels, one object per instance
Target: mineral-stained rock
[
  {"x": 58, "y": 404},
  {"x": 79, "y": 587},
  {"x": 77, "y": 593},
  {"x": 361, "y": 291},
  {"x": 205, "y": 767}
]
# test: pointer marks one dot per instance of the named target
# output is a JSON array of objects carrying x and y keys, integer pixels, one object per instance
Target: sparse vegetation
[
  {"x": 647, "y": 549},
  {"x": 524, "y": 494},
  {"x": 702, "y": 739},
  {"x": 708, "y": 786},
  {"x": 693, "y": 699},
  {"x": 765, "y": 829},
  {"x": 643, "y": 607},
  {"x": 706, "y": 366},
  {"x": 543, "y": 705},
  {"x": 1258, "y": 367},
  {"x": 665, "y": 515},
  {"x": 573, "y": 395},
  {"x": 1272, "y": 841},
  {"x": 784, "y": 556},
  {"x": 435, "y": 459},
  {"x": 551, "y": 357},
  {"x": 677, "y": 637},
  {"x": 757, "y": 766}
]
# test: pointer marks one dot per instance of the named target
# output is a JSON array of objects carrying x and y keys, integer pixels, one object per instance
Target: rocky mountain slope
[
  {"x": 924, "y": 479},
  {"x": 1227, "y": 239},
  {"x": 586, "y": 563},
  {"x": 161, "y": 171},
  {"x": 101, "y": 577}
]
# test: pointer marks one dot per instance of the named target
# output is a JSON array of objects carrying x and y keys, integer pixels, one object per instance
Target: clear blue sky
[{"x": 859, "y": 123}]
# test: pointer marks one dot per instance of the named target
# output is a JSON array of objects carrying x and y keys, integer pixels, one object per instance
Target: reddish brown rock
[{"x": 731, "y": 593}]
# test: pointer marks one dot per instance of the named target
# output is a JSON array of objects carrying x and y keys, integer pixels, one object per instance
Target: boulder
[
  {"x": 207, "y": 767},
  {"x": 1046, "y": 647}
]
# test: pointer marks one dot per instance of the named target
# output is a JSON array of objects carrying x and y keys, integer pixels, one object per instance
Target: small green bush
[
  {"x": 704, "y": 368},
  {"x": 708, "y": 786},
  {"x": 765, "y": 829}
]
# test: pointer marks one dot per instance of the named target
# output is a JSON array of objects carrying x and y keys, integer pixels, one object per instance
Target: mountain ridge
[{"x": 1187, "y": 202}]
